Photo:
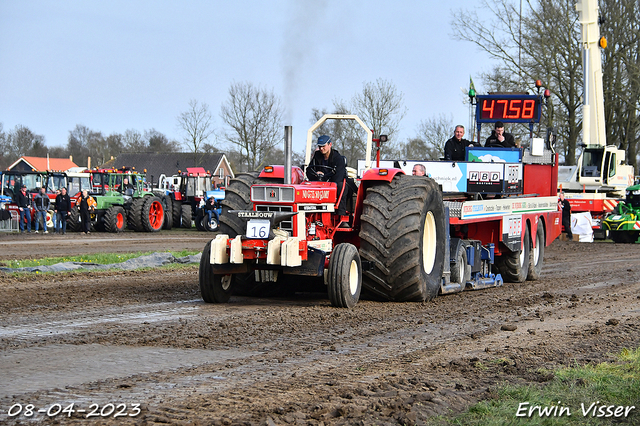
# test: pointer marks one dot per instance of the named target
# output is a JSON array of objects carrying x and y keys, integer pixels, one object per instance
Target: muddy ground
[{"x": 107, "y": 341}]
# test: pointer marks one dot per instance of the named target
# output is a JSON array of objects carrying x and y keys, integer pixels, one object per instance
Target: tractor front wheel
[
  {"x": 214, "y": 288},
  {"x": 115, "y": 219},
  {"x": 210, "y": 225},
  {"x": 344, "y": 276}
]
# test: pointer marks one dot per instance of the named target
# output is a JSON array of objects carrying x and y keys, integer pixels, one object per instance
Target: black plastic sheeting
[{"x": 147, "y": 261}]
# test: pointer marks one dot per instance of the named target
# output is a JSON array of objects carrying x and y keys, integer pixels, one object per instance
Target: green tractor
[
  {"x": 121, "y": 202},
  {"x": 623, "y": 223}
]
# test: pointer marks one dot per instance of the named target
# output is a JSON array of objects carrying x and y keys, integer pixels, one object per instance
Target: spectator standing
[
  {"x": 55, "y": 215},
  {"x": 41, "y": 203},
  {"x": 86, "y": 203},
  {"x": 63, "y": 208},
  {"x": 24, "y": 206},
  {"x": 566, "y": 215}
]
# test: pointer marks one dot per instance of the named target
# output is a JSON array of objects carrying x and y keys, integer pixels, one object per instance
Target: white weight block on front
[
  {"x": 236, "y": 250},
  {"x": 290, "y": 252},
  {"x": 273, "y": 251},
  {"x": 218, "y": 253}
]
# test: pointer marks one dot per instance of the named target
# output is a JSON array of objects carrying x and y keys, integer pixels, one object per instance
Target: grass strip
[
  {"x": 101, "y": 258},
  {"x": 601, "y": 394}
]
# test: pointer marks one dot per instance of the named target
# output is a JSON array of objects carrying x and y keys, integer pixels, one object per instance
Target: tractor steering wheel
[{"x": 321, "y": 172}]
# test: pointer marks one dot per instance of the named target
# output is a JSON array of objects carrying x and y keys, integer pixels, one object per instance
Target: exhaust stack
[{"x": 288, "y": 153}]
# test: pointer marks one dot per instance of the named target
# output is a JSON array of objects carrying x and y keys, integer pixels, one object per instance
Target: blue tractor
[{"x": 208, "y": 211}]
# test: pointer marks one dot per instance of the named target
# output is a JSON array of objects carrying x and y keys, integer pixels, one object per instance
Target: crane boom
[{"x": 593, "y": 127}]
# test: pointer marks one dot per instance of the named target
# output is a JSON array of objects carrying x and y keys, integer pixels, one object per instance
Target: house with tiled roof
[
  {"x": 172, "y": 163},
  {"x": 41, "y": 164}
]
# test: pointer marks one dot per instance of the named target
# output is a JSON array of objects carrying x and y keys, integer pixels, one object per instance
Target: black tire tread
[
  {"x": 73, "y": 220},
  {"x": 338, "y": 290},
  {"x": 185, "y": 215},
  {"x": 111, "y": 219},
  {"x": 144, "y": 217},
  {"x": 177, "y": 213},
  {"x": 509, "y": 263},
  {"x": 134, "y": 215},
  {"x": 535, "y": 271},
  {"x": 392, "y": 221}
]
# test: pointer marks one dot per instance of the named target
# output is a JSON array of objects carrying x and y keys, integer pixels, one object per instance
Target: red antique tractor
[
  {"x": 276, "y": 226},
  {"x": 402, "y": 238}
]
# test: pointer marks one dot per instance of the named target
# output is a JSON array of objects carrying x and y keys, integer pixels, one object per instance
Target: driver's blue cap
[{"x": 323, "y": 140}]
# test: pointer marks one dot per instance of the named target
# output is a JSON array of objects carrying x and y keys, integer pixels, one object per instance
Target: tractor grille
[
  {"x": 287, "y": 225},
  {"x": 272, "y": 194}
]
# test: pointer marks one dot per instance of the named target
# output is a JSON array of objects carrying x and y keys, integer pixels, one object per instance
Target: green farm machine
[
  {"x": 623, "y": 223},
  {"x": 121, "y": 201}
]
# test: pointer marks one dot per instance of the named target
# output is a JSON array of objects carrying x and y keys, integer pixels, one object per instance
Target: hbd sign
[{"x": 484, "y": 176}]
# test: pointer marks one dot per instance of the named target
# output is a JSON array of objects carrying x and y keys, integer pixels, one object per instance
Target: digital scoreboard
[{"x": 508, "y": 108}]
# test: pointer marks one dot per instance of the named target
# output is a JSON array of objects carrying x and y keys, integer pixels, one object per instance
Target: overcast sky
[{"x": 117, "y": 65}]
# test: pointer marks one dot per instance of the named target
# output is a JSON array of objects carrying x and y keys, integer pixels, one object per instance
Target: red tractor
[{"x": 401, "y": 239}]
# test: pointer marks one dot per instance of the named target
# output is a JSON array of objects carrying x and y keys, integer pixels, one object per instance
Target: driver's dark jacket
[{"x": 335, "y": 160}]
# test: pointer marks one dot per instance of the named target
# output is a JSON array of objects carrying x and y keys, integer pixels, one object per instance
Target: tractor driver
[
  {"x": 329, "y": 166},
  {"x": 125, "y": 185}
]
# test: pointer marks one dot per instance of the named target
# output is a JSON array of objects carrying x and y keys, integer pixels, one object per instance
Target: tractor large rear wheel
[
  {"x": 213, "y": 288},
  {"x": 73, "y": 220},
  {"x": 403, "y": 236},
  {"x": 115, "y": 219},
  {"x": 514, "y": 265},
  {"x": 238, "y": 197},
  {"x": 134, "y": 215},
  {"x": 152, "y": 217}
]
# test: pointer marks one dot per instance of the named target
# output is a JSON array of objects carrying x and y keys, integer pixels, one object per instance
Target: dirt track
[{"x": 146, "y": 338}]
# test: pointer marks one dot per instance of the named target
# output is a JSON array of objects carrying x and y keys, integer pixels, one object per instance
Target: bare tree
[
  {"x": 133, "y": 141},
  {"x": 84, "y": 142},
  {"x": 22, "y": 141},
  {"x": 547, "y": 48},
  {"x": 158, "y": 142},
  {"x": 197, "y": 125},
  {"x": 381, "y": 106},
  {"x": 254, "y": 118},
  {"x": 435, "y": 132}
]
